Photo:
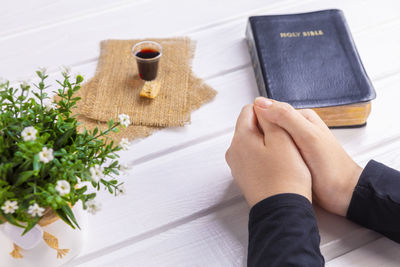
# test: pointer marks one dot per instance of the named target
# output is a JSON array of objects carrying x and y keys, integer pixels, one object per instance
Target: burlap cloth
[{"x": 116, "y": 85}]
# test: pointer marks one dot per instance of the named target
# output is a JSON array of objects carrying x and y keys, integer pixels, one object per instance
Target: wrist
[
  {"x": 257, "y": 197},
  {"x": 348, "y": 189},
  {"x": 281, "y": 200}
]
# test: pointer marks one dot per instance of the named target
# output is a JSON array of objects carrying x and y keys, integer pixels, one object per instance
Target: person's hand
[
  {"x": 334, "y": 173},
  {"x": 264, "y": 159}
]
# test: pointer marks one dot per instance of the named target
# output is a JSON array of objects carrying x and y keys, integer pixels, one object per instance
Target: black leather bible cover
[{"x": 308, "y": 59}]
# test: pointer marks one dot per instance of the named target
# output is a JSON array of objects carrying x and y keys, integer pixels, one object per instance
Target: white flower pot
[{"x": 41, "y": 254}]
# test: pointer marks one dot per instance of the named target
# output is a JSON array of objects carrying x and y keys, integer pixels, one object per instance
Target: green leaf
[
  {"x": 64, "y": 217},
  {"x": 58, "y": 153},
  {"x": 64, "y": 138},
  {"x": 23, "y": 176},
  {"x": 81, "y": 190},
  {"x": 30, "y": 225},
  {"x": 90, "y": 196},
  {"x": 70, "y": 214},
  {"x": 25, "y": 166},
  {"x": 11, "y": 219},
  {"x": 44, "y": 171},
  {"x": 113, "y": 164},
  {"x": 110, "y": 189},
  {"x": 110, "y": 123},
  {"x": 79, "y": 79},
  {"x": 36, "y": 162}
]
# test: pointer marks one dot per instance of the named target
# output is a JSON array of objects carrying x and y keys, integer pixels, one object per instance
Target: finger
[
  {"x": 246, "y": 126},
  {"x": 312, "y": 116},
  {"x": 285, "y": 116},
  {"x": 271, "y": 132}
]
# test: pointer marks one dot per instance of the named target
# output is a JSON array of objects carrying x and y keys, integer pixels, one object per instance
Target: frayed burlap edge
[{"x": 199, "y": 94}]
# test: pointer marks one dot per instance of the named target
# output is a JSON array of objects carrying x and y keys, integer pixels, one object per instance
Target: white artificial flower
[
  {"x": 63, "y": 187},
  {"x": 29, "y": 133},
  {"x": 66, "y": 70},
  {"x": 124, "y": 143},
  {"x": 46, "y": 155},
  {"x": 9, "y": 206},
  {"x": 96, "y": 173},
  {"x": 124, "y": 120},
  {"x": 35, "y": 210},
  {"x": 49, "y": 104},
  {"x": 124, "y": 167},
  {"x": 79, "y": 184},
  {"x": 43, "y": 70},
  {"x": 25, "y": 83},
  {"x": 121, "y": 190},
  {"x": 93, "y": 207}
]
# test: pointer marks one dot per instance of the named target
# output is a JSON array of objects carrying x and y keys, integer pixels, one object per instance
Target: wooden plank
[
  {"x": 223, "y": 226},
  {"x": 178, "y": 185},
  {"x": 339, "y": 236},
  {"x": 382, "y": 252},
  {"x": 21, "y": 16},
  {"x": 193, "y": 192},
  {"x": 218, "y": 117},
  {"x": 52, "y": 47},
  {"x": 218, "y": 239},
  {"x": 78, "y": 41},
  {"x": 370, "y": 32}
]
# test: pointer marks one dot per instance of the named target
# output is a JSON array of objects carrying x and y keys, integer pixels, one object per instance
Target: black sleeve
[
  {"x": 375, "y": 203},
  {"x": 283, "y": 231}
]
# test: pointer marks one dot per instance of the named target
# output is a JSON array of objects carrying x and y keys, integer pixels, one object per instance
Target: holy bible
[{"x": 310, "y": 61}]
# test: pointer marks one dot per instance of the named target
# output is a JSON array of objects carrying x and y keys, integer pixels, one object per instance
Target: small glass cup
[{"x": 147, "y": 54}]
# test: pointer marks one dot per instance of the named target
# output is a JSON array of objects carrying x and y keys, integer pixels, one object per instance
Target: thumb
[{"x": 285, "y": 116}]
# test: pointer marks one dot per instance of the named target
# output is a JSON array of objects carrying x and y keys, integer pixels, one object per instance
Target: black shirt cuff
[
  {"x": 283, "y": 231},
  {"x": 375, "y": 202}
]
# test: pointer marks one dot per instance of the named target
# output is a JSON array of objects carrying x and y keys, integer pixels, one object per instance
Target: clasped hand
[{"x": 277, "y": 149}]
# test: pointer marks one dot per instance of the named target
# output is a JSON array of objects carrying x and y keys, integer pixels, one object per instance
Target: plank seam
[
  {"x": 176, "y": 148},
  {"x": 361, "y": 246},
  {"x": 156, "y": 231},
  {"x": 50, "y": 24}
]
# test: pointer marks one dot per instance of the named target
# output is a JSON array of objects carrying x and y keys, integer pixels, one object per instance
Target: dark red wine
[
  {"x": 147, "y": 68},
  {"x": 147, "y": 53}
]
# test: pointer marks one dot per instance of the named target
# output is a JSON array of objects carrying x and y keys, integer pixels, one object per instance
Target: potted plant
[{"x": 48, "y": 165}]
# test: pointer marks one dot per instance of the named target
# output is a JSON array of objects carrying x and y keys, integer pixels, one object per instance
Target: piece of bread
[{"x": 150, "y": 89}]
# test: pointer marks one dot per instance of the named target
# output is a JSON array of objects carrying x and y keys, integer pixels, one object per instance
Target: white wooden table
[{"x": 182, "y": 207}]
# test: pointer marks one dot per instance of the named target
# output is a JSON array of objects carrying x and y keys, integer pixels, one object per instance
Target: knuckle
[
  {"x": 228, "y": 155},
  {"x": 312, "y": 114},
  {"x": 309, "y": 112},
  {"x": 246, "y": 107},
  {"x": 285, "y": 110},
  {"x": 237, "y": 140}
]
